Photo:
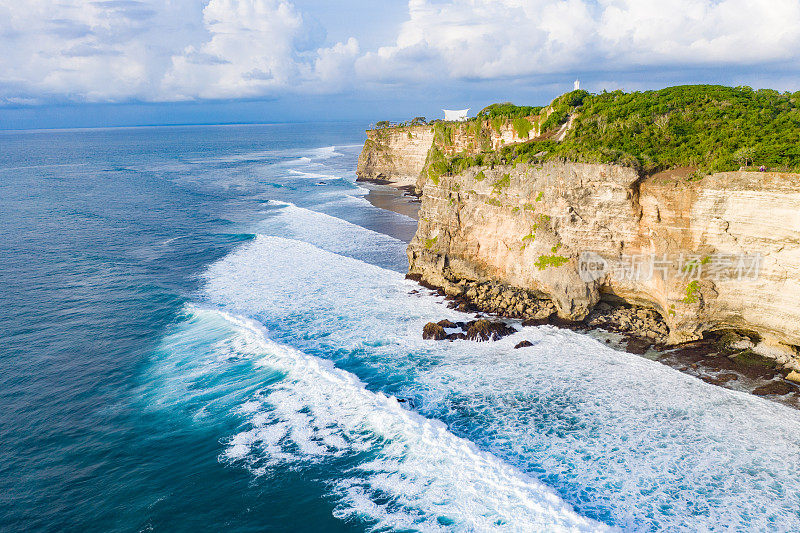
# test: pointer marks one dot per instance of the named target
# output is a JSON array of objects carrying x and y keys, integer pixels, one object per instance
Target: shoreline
[
  {"x": 713, "y": 359},
  {"x": 707, "y": 359},
  {"x": 399, "y": 199}
]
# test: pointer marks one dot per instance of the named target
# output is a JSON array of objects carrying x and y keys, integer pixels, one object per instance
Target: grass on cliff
[
  {"x": 508, "y": 110},
  {"x": 710, "y": 127}
]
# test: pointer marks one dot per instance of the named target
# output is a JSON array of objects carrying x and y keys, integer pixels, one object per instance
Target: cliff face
[
  {"x": 395, "y": 154},
  {"x": 398, "y": 154},
  {"x": 719, "y": 253}
]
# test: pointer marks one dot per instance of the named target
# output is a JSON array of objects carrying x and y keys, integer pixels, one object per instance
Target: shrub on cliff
[
  {"x": 711, "y": 127},
  {"x": 522, "y": 127},
  {"x": 507, "y": 110}
]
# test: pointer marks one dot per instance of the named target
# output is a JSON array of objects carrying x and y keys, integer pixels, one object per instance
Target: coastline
[
  {"x": 401, "y": 199},
  {"x": 706, "y": 359},
  {"x": 711, "y": 359}
]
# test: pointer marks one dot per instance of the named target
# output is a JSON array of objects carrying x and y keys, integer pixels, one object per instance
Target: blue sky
[{"x": 78, "y": 63}]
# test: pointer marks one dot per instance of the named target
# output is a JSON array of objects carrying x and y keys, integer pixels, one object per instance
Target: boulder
[
  {"x": 487, "y": 330},
  {"x": 433, "y": 331},
  {"x": 778, "y": 388},
  {"x": 523, "y": 344}
]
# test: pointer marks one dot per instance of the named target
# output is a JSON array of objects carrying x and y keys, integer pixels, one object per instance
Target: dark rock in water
[
  {"x": 486, "y": 330},
  {"x": 447, "y": 324},
  {"x": 409, "y": 402},
  {"x": 638, "y": 346},
  {"x": 523, "y": 344},
  {"x": 536, "y": 322},
  {"x": 456, "y": 336},
  {"x": 750, "y": 358},
  {"x": 720, "y": 379},
  {"x": 462, "y": 305},
  {"x": 433, "y": 331},
  {"x": 778, "y": 388}
]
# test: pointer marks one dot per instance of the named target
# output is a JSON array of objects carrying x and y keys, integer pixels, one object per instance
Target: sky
[{"x": 84, "y": 63}]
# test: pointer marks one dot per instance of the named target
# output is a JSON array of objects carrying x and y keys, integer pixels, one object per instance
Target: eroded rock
[
  {"x": 776, "y": 388},
  {"x": 433, "y": 331},
  {"x": 488, "y": 330}
]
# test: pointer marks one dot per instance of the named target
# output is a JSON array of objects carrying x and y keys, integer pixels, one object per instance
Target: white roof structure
[{"x": 459, "y": 116}]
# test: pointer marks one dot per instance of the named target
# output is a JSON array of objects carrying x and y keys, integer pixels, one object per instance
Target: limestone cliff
[
  {"x": 719, "y": 253},
  {"x": 398, "y": 155},
  {"x": 395, "y": 154}
]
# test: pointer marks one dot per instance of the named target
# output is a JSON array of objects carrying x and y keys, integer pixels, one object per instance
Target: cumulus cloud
[
  {"x": 163, "y": 50},
  {"x": 487, "y": 39}
]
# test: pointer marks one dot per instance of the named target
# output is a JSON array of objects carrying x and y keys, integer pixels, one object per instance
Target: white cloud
[
  {"x": 163, "y": 50},
  {"x": 493, "y": 38},
  {"x": 114, "y": 50}
]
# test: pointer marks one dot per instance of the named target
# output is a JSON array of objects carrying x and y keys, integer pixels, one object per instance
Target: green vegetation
[
  {"x": 502, "y": 183},
  {"x": 480, "y": 176},
  {"x": 562, "y": 107},
  {"x": 497, "y": 123},
  {"x": 442, "y": 134},
  {"x": 435, "y": 165},
  {"x": 429, "y": 243},
  {"x": 711, "y": 127},
  {"x": 750, "y": 358},
  {"x": 508, "y": 110},
  {"x": 540, "y": 196},
  {"x": 522, "y": 127},
  {"x": 545, "y": 261},
  {"x": 529, "y": 238},
  {"x": 692, "y": 293}
]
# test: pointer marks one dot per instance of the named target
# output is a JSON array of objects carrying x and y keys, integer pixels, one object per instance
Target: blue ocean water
[{"x": 206, "y": 328}]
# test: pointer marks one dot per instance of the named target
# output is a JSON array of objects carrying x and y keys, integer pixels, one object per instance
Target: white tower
[{"x": 577, "y": 85}]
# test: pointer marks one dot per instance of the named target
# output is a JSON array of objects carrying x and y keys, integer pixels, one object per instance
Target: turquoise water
[{"x": 205, "y": 328}]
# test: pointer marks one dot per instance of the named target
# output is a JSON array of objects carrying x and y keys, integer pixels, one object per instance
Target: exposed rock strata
[
  {"x": 524, "y": 228},
  {"x": 398, "y": 155}
]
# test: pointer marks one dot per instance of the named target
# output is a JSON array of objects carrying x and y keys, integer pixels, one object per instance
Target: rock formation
[
  {"x": 715, "y": 254},
  {"x": 398, "y": 155}
]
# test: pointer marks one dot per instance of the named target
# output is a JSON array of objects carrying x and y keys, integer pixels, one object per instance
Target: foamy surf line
[
  {"x": 625, "y": 440},
  {"x": 334, "y": 235},
  {"x": 419, "y": 475}
]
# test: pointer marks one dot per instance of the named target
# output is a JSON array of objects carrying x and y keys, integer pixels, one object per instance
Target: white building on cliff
[{"x": 456, "y": 116}]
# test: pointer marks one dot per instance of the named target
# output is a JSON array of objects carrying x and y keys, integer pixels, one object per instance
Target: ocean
[{"x": 208, "y": 329}]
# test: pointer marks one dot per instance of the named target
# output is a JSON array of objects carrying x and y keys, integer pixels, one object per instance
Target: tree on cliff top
[
  {"x": 711, "y": 127},
  {"x": 507, "y": 110}
]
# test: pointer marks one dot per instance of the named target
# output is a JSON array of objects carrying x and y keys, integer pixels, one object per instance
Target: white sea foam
[
  {"x": 402, "y": 470},
  {"x": 334, "y": 235},
  {"x": 624, "y": 439}
]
